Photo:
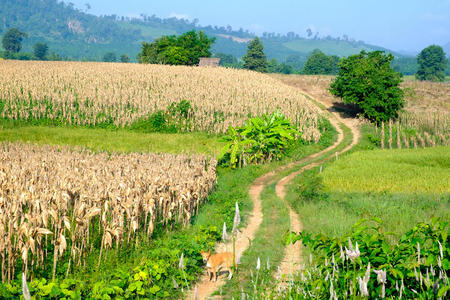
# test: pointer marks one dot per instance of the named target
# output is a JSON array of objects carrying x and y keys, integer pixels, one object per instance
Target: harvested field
[{"x": 78, "y": 201}]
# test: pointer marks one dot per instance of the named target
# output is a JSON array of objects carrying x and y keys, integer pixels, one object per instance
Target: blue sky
[{"x": 396, "y": 24}]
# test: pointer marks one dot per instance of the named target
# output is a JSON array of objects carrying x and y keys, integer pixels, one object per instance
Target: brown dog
[{"x": 217, "y": 261}]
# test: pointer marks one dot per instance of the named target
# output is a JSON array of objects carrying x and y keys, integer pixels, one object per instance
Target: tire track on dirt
[
  {"x": 205, "y": 288},
  {"x": 293, "y": 259}
]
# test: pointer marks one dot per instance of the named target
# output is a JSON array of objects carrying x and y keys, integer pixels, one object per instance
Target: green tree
[
  {"x": 124, "y": 58},
  {"x": 255, "y": 59},
  {"x": 40, "y": 50},
  {"x": 227, "y": 60},
  {"x": 109, "y": 57},
  {"x": 185, "y": 49},
  {"x": 432, "y": 63},
  {"x": 320, "y": 63},
  {"x": 283, "y": 68},
  {"x": 12, "y": 40},
  {"x": 368, "y": 81}
]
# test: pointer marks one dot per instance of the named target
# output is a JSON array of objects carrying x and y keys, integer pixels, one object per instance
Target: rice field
[
  {"x": 77, "y": 200},
  {"x": 89, "y": 94},
  {"x": 413, "y": 171}
]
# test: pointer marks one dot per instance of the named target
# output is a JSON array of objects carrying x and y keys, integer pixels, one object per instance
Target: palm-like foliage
[{"x": 260, "y": 140}]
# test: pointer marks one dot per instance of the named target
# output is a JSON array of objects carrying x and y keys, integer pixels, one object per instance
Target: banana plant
[
  {"x": 259, "y": 140},
  {"x": 236, "y": 148}
]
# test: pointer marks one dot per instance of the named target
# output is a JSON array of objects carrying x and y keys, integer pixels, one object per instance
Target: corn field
[
  {"x": 413, "y": 130},
  {"x": 58, "y": 204},
  {"x": 88, "y": 94}
]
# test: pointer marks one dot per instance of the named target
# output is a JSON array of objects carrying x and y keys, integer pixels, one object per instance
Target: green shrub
[
  {"x": 416, "y": 266},
  {"x": 259, "y": 140},
  {"x": 311, "y": 188},
  {"x": 364, "y": 264},
  {"x": 176, "y": 118}
]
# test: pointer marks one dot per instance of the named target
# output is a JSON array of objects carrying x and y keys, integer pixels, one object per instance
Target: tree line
[
  {"x": 186, "y": 49},
  {"x": 12, "y": 43}
]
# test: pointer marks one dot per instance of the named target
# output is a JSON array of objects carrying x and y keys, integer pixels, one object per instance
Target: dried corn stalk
[
  {"x": 57, "y": 196},
  {"x": 92, "y": 93}
]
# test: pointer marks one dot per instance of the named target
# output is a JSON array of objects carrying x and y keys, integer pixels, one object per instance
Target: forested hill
[{"x": 74, "y": 33}]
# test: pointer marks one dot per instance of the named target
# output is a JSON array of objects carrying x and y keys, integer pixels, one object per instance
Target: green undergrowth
[
  {"x": 267, "y": 246},
  {"x": 364, "y": 264},
  {"x": 177, "y": 117},
  {"x": 148, "y": 269},
  {"x": 120, "y": 140},
  {"x": 401, "y": 187}
]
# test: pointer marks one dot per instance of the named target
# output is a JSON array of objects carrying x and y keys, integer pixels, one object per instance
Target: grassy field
[
  {"x": 411, "y": 171},
  {"x": 401, "y": 187},
  {"x": 115, "y": 140}
]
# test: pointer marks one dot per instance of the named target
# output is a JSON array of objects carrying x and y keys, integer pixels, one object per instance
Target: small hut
[{"x": 209, "y": 62}]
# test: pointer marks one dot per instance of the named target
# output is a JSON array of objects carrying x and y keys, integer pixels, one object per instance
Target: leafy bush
[
  {"x": 368, "y": 81},
  {"x": 365, "y": 263},
  {"x": 311, "y": 187},
  {"x": 320, "y": 63},
  {"x": 176, "y": 118},
  {"x": 157, "y": 276},
  {"x": 259, "y": 140}
]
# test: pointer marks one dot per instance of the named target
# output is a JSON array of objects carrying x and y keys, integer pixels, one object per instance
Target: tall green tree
[
  {"x": 227, "y": 60},
  {"x": 109, "y": 57},
  {"x": 12, "y": 40},
  {"x": 40, "y": 50},
  {"x": 255, "y": 59},
  {"x": 368, "y": 81},
  {"x": 320, "y": 63},
  {"x": 185, "y": 49},
  {"x": 124, "y": 58},
  {"x": 432, "y": 63}
]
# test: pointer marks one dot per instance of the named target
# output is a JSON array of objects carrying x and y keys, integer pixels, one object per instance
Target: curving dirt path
[
  {"x": 204, "y": 288},
  {"x": 292, "y": 260}
]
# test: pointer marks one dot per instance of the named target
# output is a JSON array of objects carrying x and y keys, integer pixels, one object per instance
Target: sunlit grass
[
  {"x": 115, "y": 140},
  {"x": 393, "y": 171}
]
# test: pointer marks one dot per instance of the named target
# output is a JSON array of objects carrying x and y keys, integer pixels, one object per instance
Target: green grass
[
  {"x": 391, "y": 171},
  {"x": 267, "y": 244},
  {"x": 115, "y": 140},
  {"x": 334, "y": 214},
  {"x": 402, "y": 187}
]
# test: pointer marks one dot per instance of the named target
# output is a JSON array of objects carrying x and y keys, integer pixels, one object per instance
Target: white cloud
[{"x": 179, "y": 16}]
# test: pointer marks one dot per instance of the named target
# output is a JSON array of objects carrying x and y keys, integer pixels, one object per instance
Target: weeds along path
[
  {"x": 205, "y": 288},
  {"x": 292, "y": 260}
]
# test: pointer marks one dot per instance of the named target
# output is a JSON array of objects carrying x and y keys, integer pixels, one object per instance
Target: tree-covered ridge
[{"x": 75, "y": 33}]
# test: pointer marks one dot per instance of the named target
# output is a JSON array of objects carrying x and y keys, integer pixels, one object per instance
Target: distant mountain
[{"x": 73, "y": 33}]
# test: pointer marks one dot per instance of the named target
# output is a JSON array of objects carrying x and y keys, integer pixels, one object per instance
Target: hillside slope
[{"x": 74, "y": 33}]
